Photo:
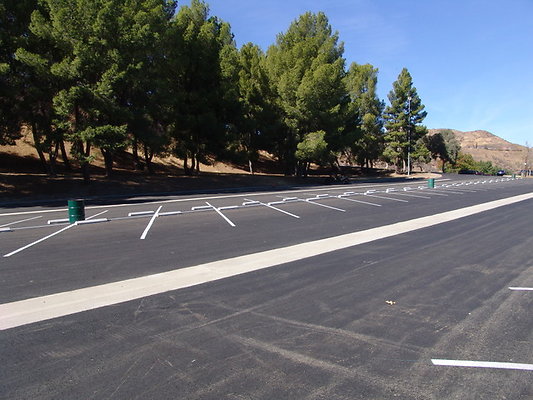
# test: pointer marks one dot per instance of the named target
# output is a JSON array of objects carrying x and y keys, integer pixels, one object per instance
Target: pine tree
[
  {"x": 195, "y": 84},
  {"x": 361, "y": 82},
  {"x": 258, "y": 121},
  {"x": 14, "y": 21},
  {"x": 443, "y": 145},
  {"x": 102, "y": 63},
  {"x": 313, "y": 148},
  {"x": 143, "y": 33},
  {"x": 307, "y": 69},
  {"x": 403, "y": 122},
  {"x": 36, "y": 56},
  {"x": 89, "y": 68}
]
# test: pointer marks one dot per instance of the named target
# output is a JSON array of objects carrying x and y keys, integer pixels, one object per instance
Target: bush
[{"x": 467, "y": 162}]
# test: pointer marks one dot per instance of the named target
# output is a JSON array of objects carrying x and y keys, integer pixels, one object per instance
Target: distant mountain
[{"x": 485, "y": 146}]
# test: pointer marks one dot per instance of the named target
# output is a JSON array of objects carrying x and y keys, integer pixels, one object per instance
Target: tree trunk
[
  {"x": 53, "y": 157},
  {"x": 108, "y": 161},
  {"x": 85, "y": 164},
  {"x": 64, "y": 155},
  {"x": 148, "y": 156},
  {"x": 135, "y": 151},
  {"x": 193, "y": 165},
  {"x": 185, "y": 164},
  {"x": 39, "y": 148}
]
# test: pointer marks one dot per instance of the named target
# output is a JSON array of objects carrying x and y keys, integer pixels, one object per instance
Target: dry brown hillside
[
  {"x": 21, "y": 173},
  {"x": 484, "y": 146}
]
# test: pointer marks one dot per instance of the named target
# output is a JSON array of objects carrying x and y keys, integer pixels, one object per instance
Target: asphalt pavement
[{"x": 371, "y": 321}]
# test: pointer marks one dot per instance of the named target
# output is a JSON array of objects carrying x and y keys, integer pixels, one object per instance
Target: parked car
[
  {"x": 468, "y": 172},
  {"x": 501, "y": 172}
]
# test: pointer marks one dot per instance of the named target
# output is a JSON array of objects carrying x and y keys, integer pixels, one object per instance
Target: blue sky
[{"x": 471, "y": 60}]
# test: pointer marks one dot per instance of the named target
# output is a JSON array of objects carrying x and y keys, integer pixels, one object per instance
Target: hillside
[
  {"x": 21, "y": 173},
  {"x": 482, "y": 145},
  {"x": 485, "y": 146}
]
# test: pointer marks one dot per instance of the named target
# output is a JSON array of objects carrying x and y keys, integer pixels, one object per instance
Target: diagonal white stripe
[
  {"x": 23, "y": 220},
  {"x": 277, "y": 209},
  {"x": 149, "y": 226},
  {"x": 48, "y": 237},
  {"x": 56, "y": 305},
  {"x": 38, "y": 241},
  {"x": 387, "y": 198},
  {"x": 482, "y": 364},
  {"x": 221, "y": 214},
  {"x": 324, "y": 205}
]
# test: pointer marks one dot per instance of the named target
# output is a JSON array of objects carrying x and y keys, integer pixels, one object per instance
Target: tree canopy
[
  {"x": 403, "y": 119},
  {"x": 443, "y": 145},
  {"x": 361, "y": 81},
  {"x": 306, "y": 68},
  {"x": 146, "y": 76}
]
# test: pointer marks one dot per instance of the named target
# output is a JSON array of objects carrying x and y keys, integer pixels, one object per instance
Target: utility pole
[
  {"x": 527, "y": 169},
  {"x": 409, "y": 136}
]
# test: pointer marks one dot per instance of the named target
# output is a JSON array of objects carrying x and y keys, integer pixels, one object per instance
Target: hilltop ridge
[{"x": 485, "y": 146}]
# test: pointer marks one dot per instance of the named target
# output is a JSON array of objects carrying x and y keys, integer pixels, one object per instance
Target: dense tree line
[{"x": 144, "y": 75}]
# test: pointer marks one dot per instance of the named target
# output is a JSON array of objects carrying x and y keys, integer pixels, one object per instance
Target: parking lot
[
  {"x": 339, "y": 199},
  {"x": 356, "y": 291}
]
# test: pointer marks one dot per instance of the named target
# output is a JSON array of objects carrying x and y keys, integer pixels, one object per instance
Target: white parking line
[
  {"x": 410, "y": 195},
  {"x": 220, "y": 213},
  {"x": 39, "y": 241},
  {"x": 482, "y": 364},
  {"x": 156, "y": 214},
  {"x": 386, "y": 198},
  {"x": 448, "y": 191},
  {"x": 359, "y": 201},
  {"x": 274, "y": 208},
  {"x": 527, "y": 289},
  {"x": 170, "y": 213},
  {"x": 432, "y": 192},
  {"x": 229, "y": 196},
  {"x": 252, "y": 194},
  {"x": 18, "y": 222},
  {"x": 49, "y": 236},
  {"x": 469, "y": 190},
  {"x": 55, "y": 305},
  {"x": 323, "y": 205},
  {"x": 140, "y": 213},
  {"x": 460, "y": 190}
]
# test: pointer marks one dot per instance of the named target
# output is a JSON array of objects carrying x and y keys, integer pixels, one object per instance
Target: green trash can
[
  {"x": 76, "y": 210},
  {"x": 431, "y": 183}
]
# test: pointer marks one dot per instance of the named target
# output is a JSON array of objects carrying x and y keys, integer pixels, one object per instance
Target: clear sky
[{"x": 471, "y": 60}]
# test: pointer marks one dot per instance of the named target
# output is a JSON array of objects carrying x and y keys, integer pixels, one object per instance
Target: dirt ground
[{"x": 22, "y": 178}]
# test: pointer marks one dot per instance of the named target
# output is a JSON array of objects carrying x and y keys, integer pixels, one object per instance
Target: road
[{"x": 354, "y": 292}]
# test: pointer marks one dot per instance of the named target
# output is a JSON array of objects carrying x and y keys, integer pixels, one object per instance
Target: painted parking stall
[
  {"x": 309, "y": 288},
  {"x": 47, "y": 307},
  {"x": 316, "y": 197}
]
